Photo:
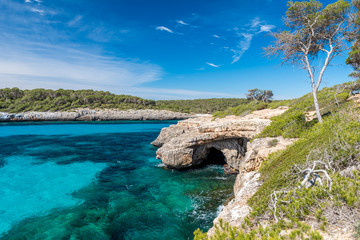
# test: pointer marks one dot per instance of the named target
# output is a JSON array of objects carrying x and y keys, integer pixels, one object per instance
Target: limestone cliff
[
  {"x": 189, "y": 142},
  {"x": 248, "y": 180}
]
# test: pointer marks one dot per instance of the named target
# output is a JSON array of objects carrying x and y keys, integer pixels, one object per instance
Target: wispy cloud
[
  {"x": 182, "y": 22},
  {"x": 255, "y": 22},
  {"x": 242, "y": 47},
  {"x": 30, "y": 1},
  {"x": 75, "y": 20},
  {"x": 216, "y": 36},
  {"x": 212, "y": 65},
  {"x": 162, "y": 28},
  {"x": 266, "y": 28},
  {"x": 37, "y": 6},
  {"x": 68, "y": 68},
  {"x": 36, "y": 10},
  {"x": 255, "y": 27}
]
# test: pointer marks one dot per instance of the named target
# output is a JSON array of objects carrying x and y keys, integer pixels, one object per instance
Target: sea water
[{"x": 100, "y": 180}]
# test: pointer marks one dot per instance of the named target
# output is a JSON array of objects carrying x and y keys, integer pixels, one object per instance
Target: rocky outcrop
[
  {"x": 259, "y": 149},
  {"x": 190, "y": 142},
  {"x": 248, "y": 180},
  {"x": 94, "y": 115},
  {"x": 237, "y": 209}
]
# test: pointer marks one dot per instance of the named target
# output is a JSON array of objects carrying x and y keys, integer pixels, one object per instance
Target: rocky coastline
[
  {"x": 94, "y": 115},
  {"x": 191, "y": 142}
]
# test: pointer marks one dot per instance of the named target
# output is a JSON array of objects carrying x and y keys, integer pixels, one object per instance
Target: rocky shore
[
  {"x": 191, "y": 142},
  {"x": 94, "y": 115}
]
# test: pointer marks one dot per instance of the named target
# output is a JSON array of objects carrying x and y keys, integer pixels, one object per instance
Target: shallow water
[{"x": 100, "y": 180}]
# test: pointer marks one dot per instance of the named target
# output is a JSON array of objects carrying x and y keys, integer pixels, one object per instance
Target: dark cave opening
[{"x": 215, "y": 157}]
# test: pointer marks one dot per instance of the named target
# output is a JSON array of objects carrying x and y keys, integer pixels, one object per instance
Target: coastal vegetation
[
  {"x": 14, "y": 100},
  {"x": 327, "y": 155},
  {"x": 313, "y": 186},
  {"x": 259, "y": 95}
]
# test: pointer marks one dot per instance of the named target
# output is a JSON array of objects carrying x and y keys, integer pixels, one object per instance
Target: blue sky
[{"x": 156, "y": 49}]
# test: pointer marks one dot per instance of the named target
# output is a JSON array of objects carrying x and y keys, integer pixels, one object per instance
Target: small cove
[{"x": 100, "y": 180}]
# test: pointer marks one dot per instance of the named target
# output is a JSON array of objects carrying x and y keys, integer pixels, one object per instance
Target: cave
[{"x": 215, "y": 157}]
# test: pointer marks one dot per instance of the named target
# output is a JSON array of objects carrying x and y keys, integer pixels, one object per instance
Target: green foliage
[
  {"x": 273, "y": 143},
  {"x": 247, "y": 106},
  {"x": 293, "y": 122},
  {"x": 200, "y": 105},
  {"x": 357, "y": 230},
  {"x": 338, "y": 135},
  {"x": 260, "y": 95},
  {"x": 223, "y": 231},
  {"x": 315, "y": 236},
  {"x": 15, "y": 100},
  {"x": 354, "y": 55},
  {"x": 290, "y": 125}
]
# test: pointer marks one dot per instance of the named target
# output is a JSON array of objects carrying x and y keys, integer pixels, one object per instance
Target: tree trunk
[{"x": 316, "y": 104}]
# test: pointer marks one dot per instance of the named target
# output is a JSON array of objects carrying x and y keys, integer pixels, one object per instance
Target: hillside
[
  {"x": 311, "y": 189},
  {"x": 14, "y": 100}
]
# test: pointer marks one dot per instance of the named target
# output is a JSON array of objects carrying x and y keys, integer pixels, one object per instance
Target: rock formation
[
  {"x": 248, "y": 180},
  {"x": 93, "y": 115},
  {"x": 192, "y": 141}
]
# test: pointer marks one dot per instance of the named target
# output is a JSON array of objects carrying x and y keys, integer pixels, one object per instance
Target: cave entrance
[{"x": 215, "y": 157}]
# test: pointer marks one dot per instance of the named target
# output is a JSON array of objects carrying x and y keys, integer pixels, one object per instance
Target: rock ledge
[{"x": 93, "y": 115}]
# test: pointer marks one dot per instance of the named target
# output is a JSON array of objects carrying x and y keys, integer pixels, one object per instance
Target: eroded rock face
[
  {"x": 189, "y": 142},
  {"x": 248, "y": 180},
  {"x": 259, "y": 149},
  {"x": 237, "y": 209}
]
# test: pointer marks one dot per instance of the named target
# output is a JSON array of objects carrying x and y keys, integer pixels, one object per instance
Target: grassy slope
[{"x": 337, "y": 140}]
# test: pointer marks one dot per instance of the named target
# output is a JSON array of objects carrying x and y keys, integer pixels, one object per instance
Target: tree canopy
[
  {"x": 314, "y": 32},
  {"x": 259, "y": 95},
  {"x": 354, "y": 54}
]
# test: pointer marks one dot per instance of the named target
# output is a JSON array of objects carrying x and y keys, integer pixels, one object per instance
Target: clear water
[{"x": 100, "y": 180}]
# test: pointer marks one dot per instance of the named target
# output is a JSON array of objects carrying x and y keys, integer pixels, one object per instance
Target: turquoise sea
[{"x": 100, "y": 180}]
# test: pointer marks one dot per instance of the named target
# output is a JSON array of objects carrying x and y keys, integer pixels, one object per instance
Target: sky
[{"x": 155, "y": 49}]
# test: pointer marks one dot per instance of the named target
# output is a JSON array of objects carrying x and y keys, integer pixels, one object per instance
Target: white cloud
[
  {"x": 266, "y": 28},
  {"x": 30, "y": 1},
  {"x": 212, "y": 65},
  {"x": 162, "y": 28},
  {"x": 255, "y": 27},
  {"x": 182, "y": 22},
  {"x": 216, "y": 36},
  {"x": 71, "y": 69},
  {"x": 255, "y": 22},
  {"x": 242, "y": 47},
  {"x": 40, "y": 11},
  {"x": 75, "y": 20}
]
